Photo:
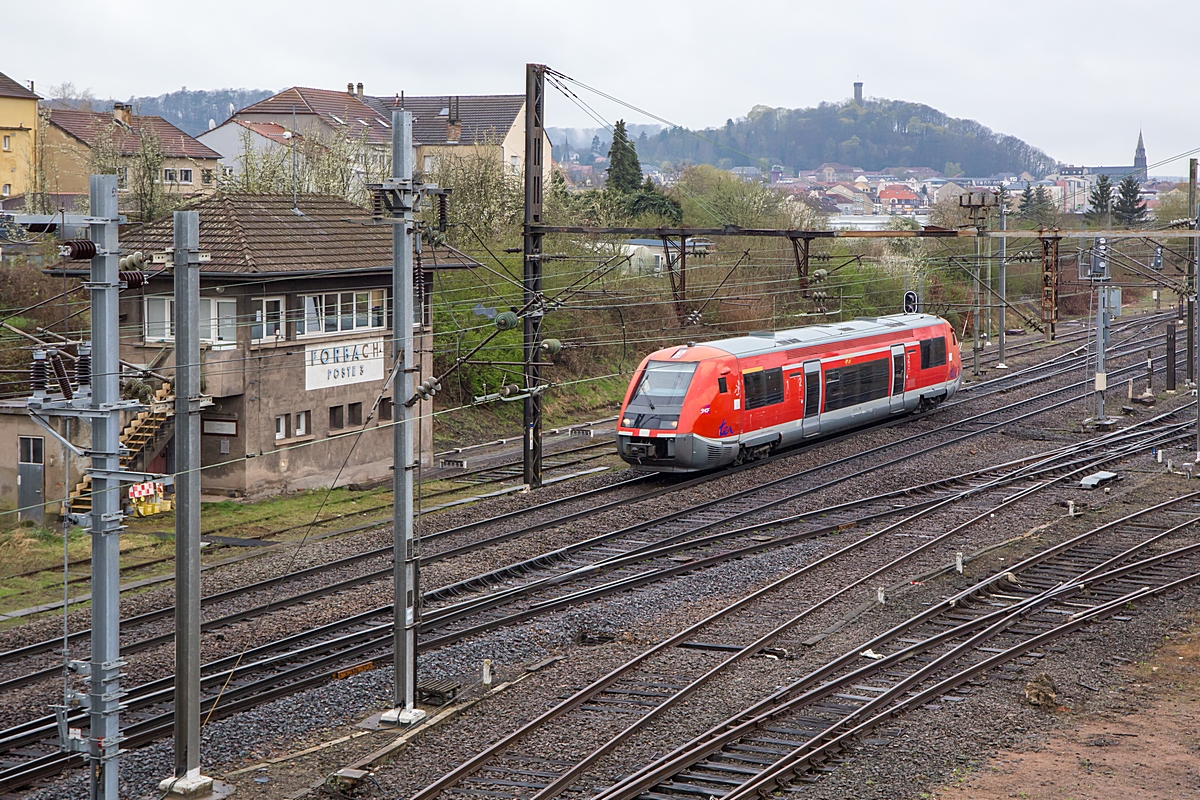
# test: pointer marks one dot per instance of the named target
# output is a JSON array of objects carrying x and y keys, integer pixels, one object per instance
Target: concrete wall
[{"x": 61, "y": 473}]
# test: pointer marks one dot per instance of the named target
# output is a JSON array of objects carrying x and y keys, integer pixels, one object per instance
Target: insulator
[
  {"x": 508, "y": 390},
  {"x": 60, "y": 372},
  {"x": 39, "y": 371},
  {"x": 133, "y": 280},
  {"x": 137, "y": 260},
  {"x": 552, "y": 346},
  {"x": 443, "y": 203},
  {"x": 506, "y": 320},
  {"x": 818, "y": 275},
  {"x": 83, "y": 368},
  {"x": 78, "y": 249}
]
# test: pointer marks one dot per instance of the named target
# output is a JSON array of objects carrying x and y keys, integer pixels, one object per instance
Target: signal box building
[{"x": 295, "y": 322}]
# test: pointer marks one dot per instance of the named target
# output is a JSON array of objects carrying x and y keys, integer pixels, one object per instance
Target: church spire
[{"x": 1139, "y": 159}]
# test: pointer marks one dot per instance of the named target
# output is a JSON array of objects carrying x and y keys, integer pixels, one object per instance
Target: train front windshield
[{"x": 663, "y": 383}]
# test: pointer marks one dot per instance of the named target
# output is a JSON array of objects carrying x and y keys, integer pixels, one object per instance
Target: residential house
[
  {"x": 833, "y": 172},
  {"x": 18, "y": 136},
  {"x": 295, "y": 323},
  {"x": 898, "y": 199},
  {"x": 265, "y": 139},
  {"x": 442, "y": 125},
  {"x": 77, "y": 140},
  {"x": 947, "y": 191},
  {"x": 747, "y": 173}
]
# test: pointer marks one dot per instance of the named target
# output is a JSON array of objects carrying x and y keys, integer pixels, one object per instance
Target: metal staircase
[{"x": 141, "y": 440}]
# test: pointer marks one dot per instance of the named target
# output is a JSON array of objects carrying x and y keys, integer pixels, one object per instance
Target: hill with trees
[
  {"x": 189, "y": 109},
  {"x": 876, "y": 135}
]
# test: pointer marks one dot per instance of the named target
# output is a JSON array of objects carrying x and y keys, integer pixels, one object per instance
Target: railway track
[
  {"x": 798, "y": 731},
  {"x": 696, "y": 520},
  {"x": 267, "y": 673},
  {"x": 499, "y": 473}
]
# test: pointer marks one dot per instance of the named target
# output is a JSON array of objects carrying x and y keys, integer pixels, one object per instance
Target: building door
[
  {"x": 31, "y": 477},
  {"x": 897, "y": 378}
]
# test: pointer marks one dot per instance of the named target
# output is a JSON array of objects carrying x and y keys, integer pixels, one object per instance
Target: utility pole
[
  {"x": 1108, "y": 305},
  {"x": 1003, "y": 282},
  {"x": 1190, "y": 301},
  {"x": 1195, "y": 304},
  {"x": 401, "y": 194},
  {"x": 97, "y": 398},
  {"x": 535, "y": 96},
  {"x": 105, "y": 662},
  {"x": 187, "y": 781},
  {"x": 975, "y": 341}
]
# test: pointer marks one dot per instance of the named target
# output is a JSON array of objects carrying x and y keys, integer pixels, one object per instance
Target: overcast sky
[{"x": 1077, "y": 78}]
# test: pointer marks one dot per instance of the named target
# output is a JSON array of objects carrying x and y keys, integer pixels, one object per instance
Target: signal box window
[
  {"x": 282, "y": 424},
  {"x": 763, "y": 388},
  {"x": 303, "y": 423},
  {"x": 933, "y": 352},
  {"x": 354, "y": 414},
  {"x": 859, "y": 383},
  {"x": 385, "y": 409},
  {"x": 337, "y": 419}
]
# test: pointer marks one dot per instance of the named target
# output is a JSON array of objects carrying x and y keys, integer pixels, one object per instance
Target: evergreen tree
[
  {"x": 596, "y": 145},
  {"x": 624, "y": 171},
  {"x": 1025, "y": 206},
  {"x": 1129, "y": 209},
  {"x": 649, "y": 201},
  {"x": 1100, "y": 201}
]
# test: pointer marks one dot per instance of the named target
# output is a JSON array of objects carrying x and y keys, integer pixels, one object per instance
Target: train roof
[{"x": 824, "y": 333}]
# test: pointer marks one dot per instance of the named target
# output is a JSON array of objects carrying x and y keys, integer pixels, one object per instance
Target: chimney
[
  {"x": 350, "y": 88},
  {"x": 360, "y": 90},
  {"x": 858, "y": 92},
  {"x": 123, "y": 113},
  {"x": 31, "y": 86},
  {"x": 453, "y": 123}
]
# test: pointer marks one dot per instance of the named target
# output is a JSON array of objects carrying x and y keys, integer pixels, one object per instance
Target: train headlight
[
  {"x": 674, "y": 423},
  {"x": 627, "y": 422}
]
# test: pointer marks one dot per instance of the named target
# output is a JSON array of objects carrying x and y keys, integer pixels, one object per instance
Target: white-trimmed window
[
  {"x": 170, "y": 175},
  {"x": 283, "y": 424},
  {"x": 338, "y": 312},
  {"x": 268, "y": 318},
  {"x": 303, "y": 423},
  {"x": 6, "y": 190},
  {"x": 185, "y": 176},
  {"x": 160, "y": 319},
  {"x": 217, "y": 323},
  {"x": 8, "y": 143}
]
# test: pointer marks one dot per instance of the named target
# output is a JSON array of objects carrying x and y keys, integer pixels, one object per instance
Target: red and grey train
[{"x": 698, "y": 407}]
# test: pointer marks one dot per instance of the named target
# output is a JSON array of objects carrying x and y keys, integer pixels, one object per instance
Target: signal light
[{"x": 910, "y": 302}]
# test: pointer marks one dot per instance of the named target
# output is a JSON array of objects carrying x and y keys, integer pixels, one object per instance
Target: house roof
[
  {"x": 897, "y": 193},
  {"x": 268, "y": 130},
  {"x": 87, "y": 127},
  {"x": 485, "y": 117},
  {"x": 338, "y": 109},
  {"x": 10, "y": 88},
  {"x": 259, "y": 234}
]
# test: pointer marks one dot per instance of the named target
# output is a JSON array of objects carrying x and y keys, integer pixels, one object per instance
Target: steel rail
[
  {"x": 735, "y": 727},
  {"x": 473, "y": 764}
]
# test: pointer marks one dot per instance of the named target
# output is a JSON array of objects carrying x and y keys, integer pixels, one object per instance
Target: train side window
[
  {"x": 764, "y": 387},
  {"x": 722, "y": 385},
  {"x": 860, "y": 383},
  {"x": 812, "y": 394},
  {"x": 933, "y": 352}
]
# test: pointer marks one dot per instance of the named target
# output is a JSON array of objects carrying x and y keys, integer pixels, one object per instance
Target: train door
[
  {"x": 897, "y": 378},
  {"x": 31, "y": 478},
  {"x": 812, "y": 398}
]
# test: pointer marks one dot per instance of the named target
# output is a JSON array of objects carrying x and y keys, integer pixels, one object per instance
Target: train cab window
[
  {"x": 859, "y": 383},
  {"x": 933, "y": 352},
  {"x": 722, "y": 385},
  {"x": 663, "y": 383},
  {"x": 764, "y": 387}
]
